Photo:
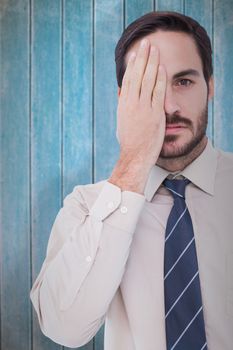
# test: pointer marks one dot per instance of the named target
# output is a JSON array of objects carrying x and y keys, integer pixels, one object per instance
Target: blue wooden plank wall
[{"x": 58, "y": 115}]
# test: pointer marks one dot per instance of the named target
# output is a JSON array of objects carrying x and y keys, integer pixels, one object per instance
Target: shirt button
[
  {"x": 88, "y": 258},
  {"x": 110, "y": 205},
  {"x": 124, "y": 210}
]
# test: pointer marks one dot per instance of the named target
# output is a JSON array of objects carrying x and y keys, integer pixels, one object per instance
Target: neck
[{"x": 179, "y": 163}]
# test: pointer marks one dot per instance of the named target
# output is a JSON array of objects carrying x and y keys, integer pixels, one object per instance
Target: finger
[
  {"x": 149, "y": 78},
  {"x": 127, "y": 75},
  {"x": 159, "y": 91},
  {"x": 139, "y": 69}
]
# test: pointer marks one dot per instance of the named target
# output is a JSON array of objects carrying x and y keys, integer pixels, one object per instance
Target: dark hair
[{"x": 166, "y": 21}]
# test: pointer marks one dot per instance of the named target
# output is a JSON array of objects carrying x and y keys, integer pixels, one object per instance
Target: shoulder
[
  {"x": 224, "y": 171},
  {"x": 225, "y": 160}
]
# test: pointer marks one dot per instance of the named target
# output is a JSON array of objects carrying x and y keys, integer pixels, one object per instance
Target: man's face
[{"x": 186, "y": 101}]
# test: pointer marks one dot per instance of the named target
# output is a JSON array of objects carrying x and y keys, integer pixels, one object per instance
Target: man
[{"x": 149, "y": 251}]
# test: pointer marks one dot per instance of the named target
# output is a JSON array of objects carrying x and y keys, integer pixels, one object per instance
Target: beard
[{"x": 184, "y": 150}]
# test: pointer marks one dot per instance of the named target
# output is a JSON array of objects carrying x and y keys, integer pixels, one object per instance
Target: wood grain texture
[
  {"x": 202, "y": 12},
  {"x": 108, "y": 27},
  {"x": 14, "y": 184},
  {"x": 77, "y": 96},
  {"x": 136, "y": 8},
  {"x": 45, "y": 135},
  {"x": 77, "y": 93},
  {"x": 223, "y": 72},
  {"x": 169, "y": 5}
]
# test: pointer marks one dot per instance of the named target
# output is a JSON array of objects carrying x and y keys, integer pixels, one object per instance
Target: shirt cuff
[{"x": 118, "y": 208}]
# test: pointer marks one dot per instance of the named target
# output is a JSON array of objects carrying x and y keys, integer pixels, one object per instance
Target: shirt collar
[{"x": 201, "y": 172}]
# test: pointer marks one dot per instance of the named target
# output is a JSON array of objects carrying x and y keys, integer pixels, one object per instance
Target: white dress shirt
[{"x": 105, "y": 256}]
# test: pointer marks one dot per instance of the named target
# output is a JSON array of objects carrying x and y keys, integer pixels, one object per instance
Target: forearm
[{"x": 73, "y": 293}]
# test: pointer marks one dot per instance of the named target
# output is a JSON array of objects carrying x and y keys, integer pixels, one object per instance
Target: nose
[{"x": 171, "y": 105}]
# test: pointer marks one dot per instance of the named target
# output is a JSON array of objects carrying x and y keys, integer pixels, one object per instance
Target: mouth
[{"x": 173, "y": 128}]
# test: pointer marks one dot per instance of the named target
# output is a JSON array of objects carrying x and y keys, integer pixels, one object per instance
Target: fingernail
[
  {"x": 144, "y": 42},
  {"x": 153, "y": 49},
  {"x": 132, "y": 55}
]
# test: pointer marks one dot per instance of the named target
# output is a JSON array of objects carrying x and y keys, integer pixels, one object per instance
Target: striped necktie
[{"x": 184, "y": 320}]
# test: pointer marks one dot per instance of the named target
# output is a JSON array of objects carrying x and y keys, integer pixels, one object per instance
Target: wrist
[{"x": 130, "y": 174}]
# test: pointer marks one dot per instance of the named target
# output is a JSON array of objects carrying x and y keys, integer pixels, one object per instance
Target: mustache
[{"x": 176, "y": 119}]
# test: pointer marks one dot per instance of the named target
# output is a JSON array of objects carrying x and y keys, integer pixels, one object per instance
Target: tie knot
[{"x": 176, "y": 187}]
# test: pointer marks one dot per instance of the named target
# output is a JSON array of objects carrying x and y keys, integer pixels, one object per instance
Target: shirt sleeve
[{"x": 85, "y": 261}]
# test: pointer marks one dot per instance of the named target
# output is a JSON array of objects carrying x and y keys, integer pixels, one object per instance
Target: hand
[{"x": 140, "y": 115}]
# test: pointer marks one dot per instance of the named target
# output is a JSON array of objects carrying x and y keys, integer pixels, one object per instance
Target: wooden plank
[
  {"x": 46, "y": 135},
  {"x": 108, "y": 22},
  {"x": 77, "y": 98},
  {"x": 136, "y": 8},
  {"x": 14, "y": 176},
  {"x": 77, "y": 94},
  {"x": 223, "y": 72},
  {"x": 169, "y": 5},
  {"x": 108, "y": 28},
  {"x": 202, "y": 12}
]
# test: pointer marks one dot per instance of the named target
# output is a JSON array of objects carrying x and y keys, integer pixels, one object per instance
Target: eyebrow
[{"x": 193, "y": 72}]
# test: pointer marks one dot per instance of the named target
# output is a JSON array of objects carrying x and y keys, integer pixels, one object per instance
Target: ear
[{"x": 211, "y": 88}]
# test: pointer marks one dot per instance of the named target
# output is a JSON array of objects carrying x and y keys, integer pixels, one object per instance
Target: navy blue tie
[{"x": 184, "y": 320}]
